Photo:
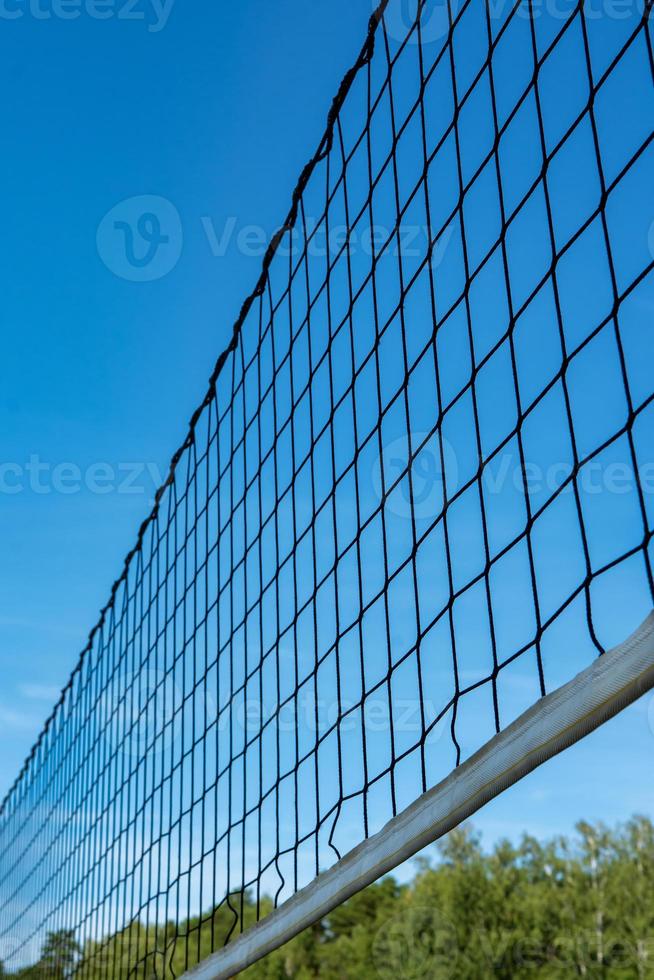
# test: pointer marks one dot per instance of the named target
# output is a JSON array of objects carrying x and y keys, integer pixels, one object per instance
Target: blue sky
[{"x": 216, "y": 111}]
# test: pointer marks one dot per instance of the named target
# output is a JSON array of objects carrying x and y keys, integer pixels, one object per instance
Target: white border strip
[{"x": 551, "y": 725}]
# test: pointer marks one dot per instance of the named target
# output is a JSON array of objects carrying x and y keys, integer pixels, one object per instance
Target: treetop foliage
[{"x": 559, "y": 908}]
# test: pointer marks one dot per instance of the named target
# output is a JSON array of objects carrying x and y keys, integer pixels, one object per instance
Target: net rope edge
[
  {"x": 557, "y": 721},
  {"x": 324, "y": 148}
]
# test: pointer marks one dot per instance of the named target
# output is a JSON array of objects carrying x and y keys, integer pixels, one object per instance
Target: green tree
[
  {"x": 60, "y": 954},
  {"x": 559, "y": 908}
]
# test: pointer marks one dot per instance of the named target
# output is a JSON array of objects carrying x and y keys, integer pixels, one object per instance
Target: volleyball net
[{"x": 405, "y": 552}]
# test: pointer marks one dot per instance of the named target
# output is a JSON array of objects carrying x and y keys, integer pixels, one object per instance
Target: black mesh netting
[{"x": 417, "y": 496}]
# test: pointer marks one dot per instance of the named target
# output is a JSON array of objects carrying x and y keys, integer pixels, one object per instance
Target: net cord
[{"x": 555, "y": 723}]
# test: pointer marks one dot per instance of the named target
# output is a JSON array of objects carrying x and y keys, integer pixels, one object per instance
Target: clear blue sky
[{"x": 216, "y": 112}]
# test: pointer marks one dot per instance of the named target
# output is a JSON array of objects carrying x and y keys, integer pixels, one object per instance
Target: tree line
[{"x": 580, "y": 907}]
